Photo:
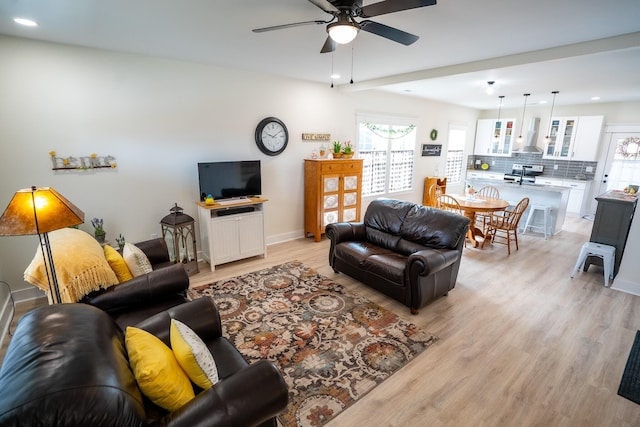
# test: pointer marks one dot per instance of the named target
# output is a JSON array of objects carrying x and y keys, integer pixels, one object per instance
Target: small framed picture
[{"x": 431, "y": 149}]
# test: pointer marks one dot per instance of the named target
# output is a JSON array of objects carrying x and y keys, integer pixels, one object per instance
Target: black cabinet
[{"x": 612, "y": 223}]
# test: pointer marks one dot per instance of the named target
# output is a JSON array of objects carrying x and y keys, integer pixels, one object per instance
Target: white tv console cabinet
[{"x": 232, "y": 231}]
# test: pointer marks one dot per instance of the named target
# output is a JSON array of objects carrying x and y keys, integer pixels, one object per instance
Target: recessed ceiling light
[
  {"x": 489, "y": 88},
  {"x": 26, "y": 22},
  {"x": 335, "y": 76},
  {"x": 543, "y": 102},
  {"x": 595, "y": 98}
]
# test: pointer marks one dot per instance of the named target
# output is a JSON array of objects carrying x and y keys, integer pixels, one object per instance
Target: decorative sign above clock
[
  {"x": 316, "y": 137},
  {"x": 271, "y": 136}
]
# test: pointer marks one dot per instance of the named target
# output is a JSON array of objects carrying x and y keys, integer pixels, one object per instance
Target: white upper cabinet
[
  {"x": 587, "y": 140},
  {"x": 494, "y": 137},
  {"x": 561, "y": 136},
  {"x": 574, "y": 138}
]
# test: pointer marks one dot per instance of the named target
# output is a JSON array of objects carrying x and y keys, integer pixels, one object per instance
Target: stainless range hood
[{"x": 530, "y": 139}]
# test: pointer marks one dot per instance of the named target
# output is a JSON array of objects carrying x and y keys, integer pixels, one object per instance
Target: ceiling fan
[{"x": 345, "y": 28}]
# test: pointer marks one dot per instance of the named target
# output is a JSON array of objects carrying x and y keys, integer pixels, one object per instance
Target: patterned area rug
[{"x": 331, "y": 346}]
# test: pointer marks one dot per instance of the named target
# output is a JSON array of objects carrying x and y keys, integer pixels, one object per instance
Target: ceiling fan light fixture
[{"x": 342, "y": 32}]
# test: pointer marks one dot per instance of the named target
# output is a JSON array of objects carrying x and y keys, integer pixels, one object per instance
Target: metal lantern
[{"x": 178, "y": 230}]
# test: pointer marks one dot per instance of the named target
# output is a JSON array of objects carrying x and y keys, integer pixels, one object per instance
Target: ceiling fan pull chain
[
  {"x": 332, "y": 69},
  {"x": 352, "y": 49}
]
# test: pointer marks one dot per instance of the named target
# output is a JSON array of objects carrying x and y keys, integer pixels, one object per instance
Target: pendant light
[
  {"x": 497, "y": 137},
  {"x": 526, "y": 95},
  {"x": 548, "y": 137}
]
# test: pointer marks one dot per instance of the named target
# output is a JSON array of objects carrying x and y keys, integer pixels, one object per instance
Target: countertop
[
  {"x": 517, "y": 186},
  {"x": 495, "y": 172}
]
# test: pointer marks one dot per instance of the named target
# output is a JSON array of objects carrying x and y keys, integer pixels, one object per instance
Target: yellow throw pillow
[
  {"x": 117, "y": 264},
  {"x": 157, "y": 372},
  {"x": 193, "y": 355},
  {"x": 136, "y": 260}
]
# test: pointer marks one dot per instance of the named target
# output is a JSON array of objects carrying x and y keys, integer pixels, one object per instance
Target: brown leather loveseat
[
  {"x": 409, "y": 252},
  {"x": 67, "y": 365}
]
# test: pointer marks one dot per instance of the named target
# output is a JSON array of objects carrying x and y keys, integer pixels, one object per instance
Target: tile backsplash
[{"x": 565, "y": 168}]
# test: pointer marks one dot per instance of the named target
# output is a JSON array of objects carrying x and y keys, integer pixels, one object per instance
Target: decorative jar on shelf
[{"x": 323, "y": 151}]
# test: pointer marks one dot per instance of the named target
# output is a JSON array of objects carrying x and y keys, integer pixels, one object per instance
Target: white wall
[{"x": 158, "y": 118}]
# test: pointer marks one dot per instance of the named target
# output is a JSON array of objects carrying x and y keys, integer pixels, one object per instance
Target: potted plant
[
  {"x": 347, "y": 151},
  {"x": 98, "y": 230},
  {"x": 337, "y": 150},
  {"x": 120, "y": 240}
]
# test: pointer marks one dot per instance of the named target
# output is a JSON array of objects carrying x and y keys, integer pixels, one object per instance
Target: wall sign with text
[{"x": 431, "y": 149}]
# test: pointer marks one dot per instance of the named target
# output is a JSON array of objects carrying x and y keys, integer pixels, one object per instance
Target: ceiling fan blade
[
  {"x": 388, "y": 32},
  {"x": 390, "y": 6},
  {"x": 280, "y": 27},
  {"x": 324, "y": 5},
  {"x": 329, "y": 45}
]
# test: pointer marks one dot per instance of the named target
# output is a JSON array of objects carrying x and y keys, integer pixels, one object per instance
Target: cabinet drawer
[
  {"x": 575, "y": 185},
  {"x": 550, "y": 181},
  {"x": 341, "y": 166}
]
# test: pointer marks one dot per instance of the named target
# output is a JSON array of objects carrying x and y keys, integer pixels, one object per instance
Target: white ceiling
[{"x": 582, "y": 48}]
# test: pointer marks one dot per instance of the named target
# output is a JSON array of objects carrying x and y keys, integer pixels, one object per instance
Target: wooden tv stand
[{"x": 232, "y": 231}]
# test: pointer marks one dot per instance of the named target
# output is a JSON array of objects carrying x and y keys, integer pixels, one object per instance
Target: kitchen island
[{"x": 548, "y": 195}]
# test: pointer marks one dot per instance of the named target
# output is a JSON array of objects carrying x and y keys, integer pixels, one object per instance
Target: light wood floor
[{"x": 521, "y": 343}]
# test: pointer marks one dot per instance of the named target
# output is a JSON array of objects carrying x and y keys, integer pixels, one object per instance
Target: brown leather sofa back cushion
[{"x": 407, "y": 228}]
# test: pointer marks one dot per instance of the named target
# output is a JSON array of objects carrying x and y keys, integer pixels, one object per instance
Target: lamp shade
[
  {"x": 38, "y": 210},
  {"x": 342, "y": 32}
]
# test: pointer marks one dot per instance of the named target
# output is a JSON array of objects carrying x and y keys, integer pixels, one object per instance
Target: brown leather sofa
[
  {"x": 67, "y": 365},
  {"x": 130, "y": 302},
  {"x": 409, "y": 252}
]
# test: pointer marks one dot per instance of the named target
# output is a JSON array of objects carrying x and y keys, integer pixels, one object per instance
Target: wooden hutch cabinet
[{"x": 332, "y": 193}]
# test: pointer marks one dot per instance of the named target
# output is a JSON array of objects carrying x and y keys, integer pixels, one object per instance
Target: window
[
  {"x": 625, "y": 167},
  {"x": 387, "y": 146},
  {"x": 457, "y": 138}
]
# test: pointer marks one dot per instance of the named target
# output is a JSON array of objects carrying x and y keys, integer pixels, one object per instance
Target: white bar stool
[
  {"x": 606, "y": 252},
  {"x": 546, "y": 211}
]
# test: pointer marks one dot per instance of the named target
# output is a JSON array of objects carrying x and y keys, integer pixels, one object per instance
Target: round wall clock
[{"x": 272, "y": 136}]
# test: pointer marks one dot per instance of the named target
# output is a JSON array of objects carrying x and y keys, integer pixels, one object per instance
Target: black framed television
[{"x": 228, "y": 180}]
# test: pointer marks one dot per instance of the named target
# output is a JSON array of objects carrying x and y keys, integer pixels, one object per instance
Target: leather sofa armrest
[
  {"x": 345, "y": 231},
  {"x": 156, "y": 250},
  {"x": 249, "y": 397},
  {"x": 201, "y": 315},
  {"x": 141, "y": 290},
  {"x": 429, "y": 261}
]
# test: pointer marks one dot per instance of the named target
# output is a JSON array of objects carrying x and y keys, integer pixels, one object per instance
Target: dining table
[{"x": 471, "y": 205}]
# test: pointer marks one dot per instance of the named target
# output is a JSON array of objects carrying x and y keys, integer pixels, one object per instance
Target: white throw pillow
[
  {"x": 193, "y": 355},
  {"x": 136, "y": 260}
]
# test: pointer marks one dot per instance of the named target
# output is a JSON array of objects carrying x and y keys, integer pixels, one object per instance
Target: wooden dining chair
[
  {"x": 482, "y": 218},
  {"x": 504, "y": 224},
  {"x": 449, "y": 204}
]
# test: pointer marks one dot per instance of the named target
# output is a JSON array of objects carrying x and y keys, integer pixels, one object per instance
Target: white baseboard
[
  {"x": 626, "y": 286},
  {"x": 27, "y": 294},
  {"x": 285, "y": 237}
]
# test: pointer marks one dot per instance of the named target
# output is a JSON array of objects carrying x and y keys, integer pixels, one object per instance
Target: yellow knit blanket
[{"x": 80, "y": 265}]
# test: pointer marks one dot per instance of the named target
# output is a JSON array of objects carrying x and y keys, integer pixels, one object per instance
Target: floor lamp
[{"x": 39, "y": 210}]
